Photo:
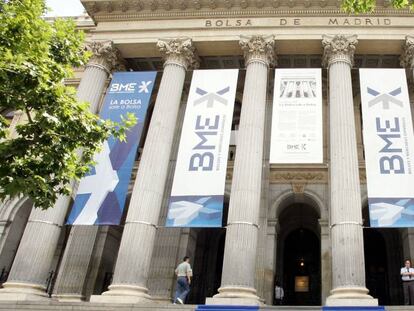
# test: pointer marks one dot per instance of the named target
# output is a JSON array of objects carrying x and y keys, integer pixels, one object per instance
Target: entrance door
[
  {"x": 301, "y": 277},
  {"x": 299, "y": 261}
]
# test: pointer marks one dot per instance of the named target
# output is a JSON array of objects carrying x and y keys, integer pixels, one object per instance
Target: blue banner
[{"x": 101, "y": 194}]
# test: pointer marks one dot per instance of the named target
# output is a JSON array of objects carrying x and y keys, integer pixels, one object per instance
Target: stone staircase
[{"x": 87, "y": 306}]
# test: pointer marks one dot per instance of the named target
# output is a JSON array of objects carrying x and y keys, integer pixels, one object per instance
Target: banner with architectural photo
[
  {"x": 389, "y": 147},
  {"x": 197, "y": 194},
  {"x": 297, "y": 117},
  {"x": 101, "y": 194}
]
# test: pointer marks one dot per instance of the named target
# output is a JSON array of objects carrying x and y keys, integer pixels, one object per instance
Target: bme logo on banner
[
  {"x": 197, "y": 193},
  {"x": 389, "y": 147},
  {"x": 101, "y": 194}
]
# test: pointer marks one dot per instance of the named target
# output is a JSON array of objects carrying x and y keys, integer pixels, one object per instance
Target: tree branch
[{"x": 28, "y": 114}]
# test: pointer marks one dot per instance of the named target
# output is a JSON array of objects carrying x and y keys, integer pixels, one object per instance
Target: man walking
[
  {"x": 407, "y": 276},
  {"x": 279, "y": 294},
  {"x": 184, "y": 274}
]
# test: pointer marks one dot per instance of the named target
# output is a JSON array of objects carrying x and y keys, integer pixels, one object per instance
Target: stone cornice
[
  {"x": 338, "y": 48},
  {"x": 101, "y": 10}
]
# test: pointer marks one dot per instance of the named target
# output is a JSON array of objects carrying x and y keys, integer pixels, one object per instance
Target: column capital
[
  {"x": 180, "y": 51},
  {"x": 259, "y": 49},
  {"x": 407, "y": 57},
  {"x": 105, "y": 56},
  {"x": 338, "y": 48}
]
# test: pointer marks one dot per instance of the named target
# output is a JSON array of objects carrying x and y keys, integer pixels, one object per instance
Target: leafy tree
[
  {"x": 368, "y": 6},
  {"x": 35, "y": 58}
]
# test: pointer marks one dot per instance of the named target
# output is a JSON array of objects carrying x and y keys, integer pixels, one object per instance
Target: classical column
[
  {"x": 270, "y": 259},
  {"x": 407, "y": 61},
  {"x": 326, "y": 266},
  {"x": 134, "y": 258},
  {"x": 238, "y": 278},
  {"x": 31, "y": 266},
  {"x": 407, "y": 57},
  {"x": 348, "y": 271},
  {"x": 77, "y": 257}
]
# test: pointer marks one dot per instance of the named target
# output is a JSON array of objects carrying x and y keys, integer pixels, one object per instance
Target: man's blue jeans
[{"x": 183, "y": 288}]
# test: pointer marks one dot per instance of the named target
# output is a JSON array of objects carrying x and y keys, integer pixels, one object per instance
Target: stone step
[
  {"x": 87, "y": 306},
  {"x": 226, "y": 308}
]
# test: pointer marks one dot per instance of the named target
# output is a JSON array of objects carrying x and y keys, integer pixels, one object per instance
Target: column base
[
  {"x": 14, "y": 291},
  {"x": 351, "y": 296},
  {"x": 69, "y": 297},
  {"x": 123, "y": 294},
  {"x": 235, "y": 296}
]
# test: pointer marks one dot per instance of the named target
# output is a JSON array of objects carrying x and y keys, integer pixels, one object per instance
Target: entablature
[{"x": 165, "y": 9}]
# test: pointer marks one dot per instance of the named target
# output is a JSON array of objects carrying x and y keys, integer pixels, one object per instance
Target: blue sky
[{"x": 65, "y": 7}]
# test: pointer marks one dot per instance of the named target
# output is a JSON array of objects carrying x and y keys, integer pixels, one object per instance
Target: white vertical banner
[
  {"x": 197, "y": 193},
  {"x": 389, "y": 147},
  {"x": 297, "y": 117}
]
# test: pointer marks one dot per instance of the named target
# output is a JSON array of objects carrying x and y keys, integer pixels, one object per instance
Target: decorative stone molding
[
  {"x": 298, "y": 177},
  {"x": 220, "y": 7},
  {"x": 105, "y": 56},
  {"x": 258, "y": 48},
  {"x": 407, "y": 57},
  {"x": 298, "y": 187},
  {"x": 212, "y": 4},
  {"x": 338, "y": 48},
  {"x": 179, "y": 51}
]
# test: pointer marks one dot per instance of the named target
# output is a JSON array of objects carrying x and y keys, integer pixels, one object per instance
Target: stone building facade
[{"x": 291, "y": 223}]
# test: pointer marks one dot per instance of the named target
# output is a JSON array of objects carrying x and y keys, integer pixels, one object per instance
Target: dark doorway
[
  {"x": 376, "y": 266},
  {"x": 383, "y": 252},
  {"x": 208, "y": 265},
  {"x": 208, "y": 261},
  {"x": 302, "y": 272}
]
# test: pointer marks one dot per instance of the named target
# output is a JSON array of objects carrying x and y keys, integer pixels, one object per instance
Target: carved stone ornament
[
  {"x": 298, "y": 177},
  {"x": 407, "y": 57},
  {"x": 179, "y": 51},
  {"x": 298, "y": 188},
  {"x": 258, "y": 48},
  {"x": 338, "y": 48},
  {"x": 105, "y": 55},
  {"x": 101, "y": 10}
]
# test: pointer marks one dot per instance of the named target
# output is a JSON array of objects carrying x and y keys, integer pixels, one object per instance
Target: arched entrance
[{"x": 299, "y": 260}]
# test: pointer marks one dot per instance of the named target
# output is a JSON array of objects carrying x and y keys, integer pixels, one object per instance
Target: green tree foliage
[
  {"x": 368, "y": 6},
  {"x": 35, "y": 58}
]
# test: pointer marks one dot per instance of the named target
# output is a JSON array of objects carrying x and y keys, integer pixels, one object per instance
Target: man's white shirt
[{"x": 407, "y": 277}]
